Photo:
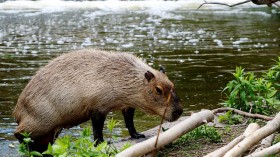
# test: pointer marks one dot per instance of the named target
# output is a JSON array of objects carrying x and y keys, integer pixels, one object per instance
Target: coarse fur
[{"x": 87, "y": 84}]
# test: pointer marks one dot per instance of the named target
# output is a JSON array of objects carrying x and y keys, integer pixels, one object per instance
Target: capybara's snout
[
  {"x": 177, "y": 107},
  {"x": 176, "y": 114}
]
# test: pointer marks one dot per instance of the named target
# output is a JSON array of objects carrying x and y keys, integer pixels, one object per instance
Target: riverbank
[{"x": 187, "y": 148}]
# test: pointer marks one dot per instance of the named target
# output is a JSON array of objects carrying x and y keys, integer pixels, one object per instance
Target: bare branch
[
  {"x": 257, "y": 2},
  {"x": 233, "y": 5},
  {"x": 242, "y": 113}
]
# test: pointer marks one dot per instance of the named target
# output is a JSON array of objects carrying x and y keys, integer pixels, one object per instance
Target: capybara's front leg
[
  {"x": 98, "y": 120},
  {"x": 128, "y": 114}
]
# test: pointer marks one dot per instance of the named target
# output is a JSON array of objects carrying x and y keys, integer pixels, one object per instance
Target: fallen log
[
  {"x": 223, "y": 150},
  {"x": 267, "y": 151},
  {"x": 145, "y": 147},
  {"x": 271, "y": 127},
  {"x": 266, "y": 142},
  {"x": 259, "y": 116}
]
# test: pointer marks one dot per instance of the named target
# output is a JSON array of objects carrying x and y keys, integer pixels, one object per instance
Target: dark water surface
[{"x": 198, "y": 48}]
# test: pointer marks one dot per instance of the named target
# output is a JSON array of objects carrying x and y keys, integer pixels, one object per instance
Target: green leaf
[
  {"x": 271, "y": 93},
  {"x": 125, "y": 146},
  {"x": 86, "y": 132},
  {"x": 112, "y": 124},
  {"x": 25, "y": 134},
  {"x": 101, "y": 146},
  {"x": 27, "y": 140},
  {"x": 273, "y": 101},
  {"x": 35, "y": 153},
  {"x": 243, "y": 95},
  {"x": 270, "y": 101},
  {"x": 49, "y": 151}
]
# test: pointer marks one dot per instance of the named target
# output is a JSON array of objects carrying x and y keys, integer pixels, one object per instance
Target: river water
[{"x": 198, "y": 48}]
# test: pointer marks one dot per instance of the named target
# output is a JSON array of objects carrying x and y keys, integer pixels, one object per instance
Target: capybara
[{"x": 88, "y": 84}]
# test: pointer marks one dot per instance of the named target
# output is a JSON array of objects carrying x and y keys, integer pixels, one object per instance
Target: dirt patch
[{"x": 201, "y": 147}]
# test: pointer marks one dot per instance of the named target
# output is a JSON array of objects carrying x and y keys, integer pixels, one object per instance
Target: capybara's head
[{"x": 161, "y": 96}]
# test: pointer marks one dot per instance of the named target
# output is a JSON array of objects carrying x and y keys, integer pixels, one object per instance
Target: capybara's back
[{"x": 75, "y": 86}]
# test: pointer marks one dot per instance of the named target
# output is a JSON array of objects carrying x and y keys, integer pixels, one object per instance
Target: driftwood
[
  {"x": 222, "y": 151},
  {"x": 259, "y": 116},
  {"x": 145, "y": 147},
  {"x": 257, "y": 2},
  {"x": 271, "y": 127},
  {"x": 267, "y": 151}
]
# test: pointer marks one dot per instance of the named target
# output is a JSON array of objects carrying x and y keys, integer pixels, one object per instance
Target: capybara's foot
[{"x": 137, "y": 135}]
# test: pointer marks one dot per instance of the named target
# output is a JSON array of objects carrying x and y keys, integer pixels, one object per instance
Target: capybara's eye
[{"x": 159, "y": 89}]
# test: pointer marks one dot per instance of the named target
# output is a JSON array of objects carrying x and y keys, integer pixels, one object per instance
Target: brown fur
[{"x": 66, "y": 91}]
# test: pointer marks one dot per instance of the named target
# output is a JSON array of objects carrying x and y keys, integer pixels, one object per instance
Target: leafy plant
[
  {"x": 203, "y": 131},
  {"x": 251, "y": 94},
  {"x": 24, "y": 149},
  {"x": 230, "y": 118},
  {"x": 81, "y": 146},
  {"x": 273, "y": 76}
]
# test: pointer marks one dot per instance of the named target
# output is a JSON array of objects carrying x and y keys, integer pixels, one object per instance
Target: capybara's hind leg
[
  {"x": 98, "y": 120},
  {"x": 39, "y": 144}
]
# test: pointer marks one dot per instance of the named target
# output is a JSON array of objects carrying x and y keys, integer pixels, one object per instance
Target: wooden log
[
  {"x": 142, "y": 148},
  {"x": 271, "y": 127},
  {"x": 267, "y": 151},
  {"x": 223, "y": 150},
  {"x": 266, "y": 142}
]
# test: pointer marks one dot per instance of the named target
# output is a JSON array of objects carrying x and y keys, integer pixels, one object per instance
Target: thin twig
[
  {"x": 233, "y": 5},
  {"x": 160, "y": 126},
  {"x": 250, "y": 111}
]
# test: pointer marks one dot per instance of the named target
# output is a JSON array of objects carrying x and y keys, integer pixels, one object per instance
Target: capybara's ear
[
  {"x": 162, "y": 69},
  {"x": 149, "y": 76}
]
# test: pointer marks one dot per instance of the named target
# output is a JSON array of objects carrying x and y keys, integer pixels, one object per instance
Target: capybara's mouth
[{"x": 176, "y": 114}]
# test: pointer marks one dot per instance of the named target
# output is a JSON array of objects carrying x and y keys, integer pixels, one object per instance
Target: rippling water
[{"x": 198, "y": 47}]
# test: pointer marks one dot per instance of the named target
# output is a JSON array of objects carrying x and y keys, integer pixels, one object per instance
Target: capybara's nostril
[{"x": 176, "y": 114}]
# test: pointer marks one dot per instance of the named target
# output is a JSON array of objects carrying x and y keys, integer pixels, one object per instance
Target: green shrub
[
  {"x": 273, "y": 76},
  {"x": 230, "y": 118},
  {"x": 252, "y": 94}
]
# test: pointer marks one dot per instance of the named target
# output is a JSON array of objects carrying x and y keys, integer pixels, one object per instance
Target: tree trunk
[
  {"x": 254, "y": 138},
  {"x": 222, "y": 151},
  {"x": 168, "y": 136}
]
